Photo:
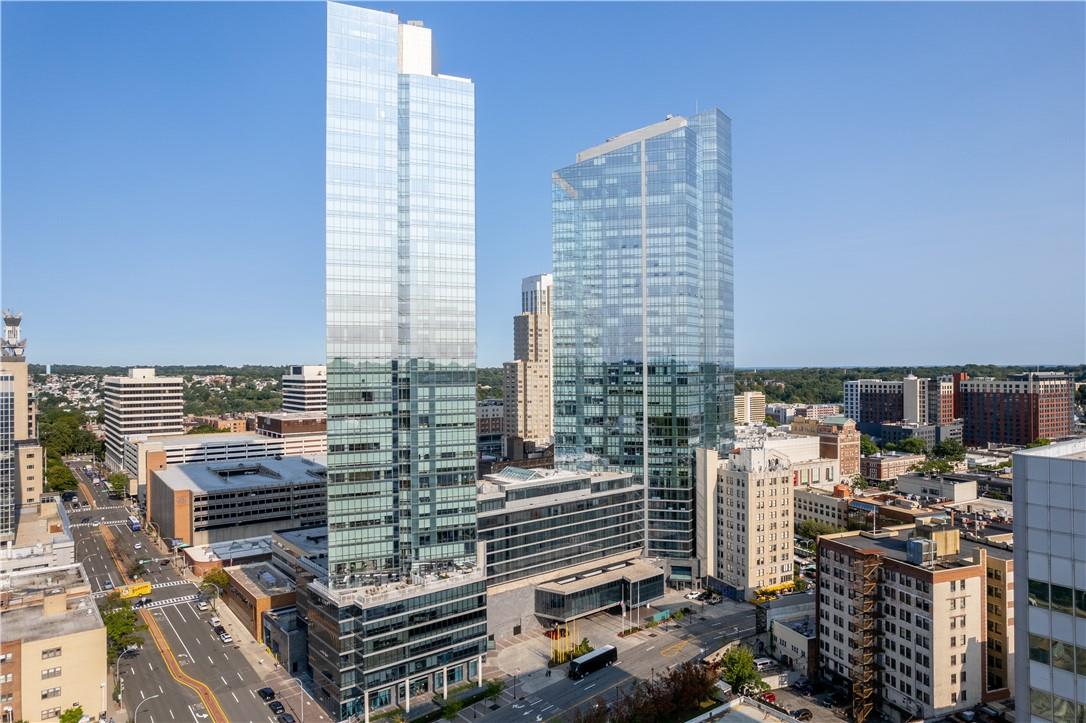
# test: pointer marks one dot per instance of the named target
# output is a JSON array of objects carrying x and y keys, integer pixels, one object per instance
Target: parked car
[
  {"x": 220, "y": 630},
  {"x": 226, "y": 639},
  {"x": 138, "y": 546},
  {"x": 276, "y": 707},
  {"x": 802, "y": 714},
  {"x": 85, "y": 520},
  {"x": 214, "y": 622},
  {"x": 284, "y": 718},
  {"x": 769, "y": 697},
  {"x": 266, "y": 694},
  {"x": 202, "y": 606}
]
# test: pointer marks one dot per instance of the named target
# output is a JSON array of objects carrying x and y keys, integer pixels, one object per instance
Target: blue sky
[{"x": 909, "y": 178}]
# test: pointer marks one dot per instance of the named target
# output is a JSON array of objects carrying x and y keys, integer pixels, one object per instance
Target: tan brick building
[
  {"x": 526, "y": 381},
  {"x": 838, "y": 439},
  {"x": 887, "y": 466}
]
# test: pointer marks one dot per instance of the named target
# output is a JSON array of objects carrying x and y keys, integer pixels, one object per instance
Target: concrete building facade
[
  {"x": 526, "y": 381},
  {"x": 888, "y": 466},
  {"x": 750, "y": 408},
  {"x": 201, "y": 503},
  {"x": 305, "y": 388},
  {"x": 22, "y": 466},
  {"x": 141, "y": 403},
  {"x": 53, "y": 652}
]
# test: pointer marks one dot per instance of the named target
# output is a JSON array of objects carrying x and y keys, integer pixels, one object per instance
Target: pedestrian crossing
[
  {"x": 154, "y": 586},
  {"x": 111, "y": 523},
  {"x": 171, "y": 601}
]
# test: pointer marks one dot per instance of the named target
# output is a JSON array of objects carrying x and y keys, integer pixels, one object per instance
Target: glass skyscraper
[
  {"x": 643, "y": 317},
  {"x": 401, "y": 611},
  {"x": 400, "y": 242}
]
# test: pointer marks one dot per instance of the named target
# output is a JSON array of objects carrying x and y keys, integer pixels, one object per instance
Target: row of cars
[
  {"x": 706, "y": 596},
  {"x": 268, "y": 696}
]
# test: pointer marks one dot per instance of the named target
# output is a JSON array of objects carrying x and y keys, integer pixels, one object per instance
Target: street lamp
[
  {"x": 136, "y": 713},
  {"x": 117, "y": 668},
  {"x": 301, "y": 698}
]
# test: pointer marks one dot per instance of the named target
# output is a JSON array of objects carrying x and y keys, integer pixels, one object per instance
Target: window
[
  {"x": 50, "y": 653},
  {"x": 50, "y": 693},
  {"x": 50, "y": 713},
  {"x": 50, "y": 673}
]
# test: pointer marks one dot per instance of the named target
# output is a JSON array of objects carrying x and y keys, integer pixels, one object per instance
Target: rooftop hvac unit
[{"x": 920, "y": 551}]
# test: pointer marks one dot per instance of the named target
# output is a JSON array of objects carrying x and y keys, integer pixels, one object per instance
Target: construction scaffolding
[{"x": 864, "y": 635}]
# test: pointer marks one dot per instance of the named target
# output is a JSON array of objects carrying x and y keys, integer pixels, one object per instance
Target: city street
[
  {"x": 197, "y": 654},
  {"x": 654, "y": 652}
]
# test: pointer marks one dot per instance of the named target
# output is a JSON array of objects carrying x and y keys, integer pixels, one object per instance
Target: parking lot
[{"x": 791, "y": 701}]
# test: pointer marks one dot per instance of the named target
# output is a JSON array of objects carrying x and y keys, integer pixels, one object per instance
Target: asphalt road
[
  {"x": 148, "y": 683},
  {"x": 653, "y": 656}
]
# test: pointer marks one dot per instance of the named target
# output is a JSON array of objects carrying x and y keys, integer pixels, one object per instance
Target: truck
[{"x": 135, "y": 590}]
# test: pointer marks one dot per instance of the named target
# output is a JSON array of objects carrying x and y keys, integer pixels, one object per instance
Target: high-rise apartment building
[
  {"x": 140, "y": 403},
  {"x": 874, "y": 401},
  {"x": 751, "y": 530},
  {"x": 1050, "y": 551},
  {"x": 904, "y": 619},
  {"x": 1018, "y": 409},
  {"x": 22, "y": 471},
  {"x": 400, "y": 307},
  {"x": 305, "y": 388},
  {"x": 643, "y": 314},
  {"x": 750, "y": 408},
  {"x": 526, "y": 381}
]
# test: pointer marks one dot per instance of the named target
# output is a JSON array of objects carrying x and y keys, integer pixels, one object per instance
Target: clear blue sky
[{"x": 909, "y": 178}]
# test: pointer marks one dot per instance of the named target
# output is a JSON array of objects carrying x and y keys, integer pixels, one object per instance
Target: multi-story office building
[
  {"x": 401, "y": 610},
  {"x": 817, "y": 411},
  {"x": 53, "y": 651},
  {"x": 305, "y": 388},
  {"x": 750, "y": 408},
  {"x": 838, "y": 439},
  {"x": 1050, "y": 549},
  {"x": 903, "y": 614},
  {"x": 22, "y": 470},
  {"x": 1018, "y": 409},
  {"x": 490, "y": 420},
  {"x": 526, "y": 381},
  {"x": 643, "y": 314},
  {"x": 201, "y": 503},
  {"x": 140, "y": 403},
  {"x": 782, "y": 413},
  {"x": 560, "y": 545},
  {"x": 288, "y": 434},
  {"x": 746, "y": 541},
  {"x": 874, "y": 400},
  {"x": 930, "y": 434}
]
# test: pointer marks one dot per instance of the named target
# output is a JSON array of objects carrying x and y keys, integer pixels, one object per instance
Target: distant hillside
[{"x": 251, "y": 371}]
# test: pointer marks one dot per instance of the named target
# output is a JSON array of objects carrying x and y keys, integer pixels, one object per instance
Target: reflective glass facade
[
  {"x": 643, "y": 318},
  {"x": 7, "y": 457},
  {"x": 400, "y": 256}
]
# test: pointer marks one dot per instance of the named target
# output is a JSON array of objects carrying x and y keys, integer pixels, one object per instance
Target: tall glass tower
[
  {"x": 400, "y": 609},
  {"x": 400, "y": 242},
  {"x": 643, "y": 319}
]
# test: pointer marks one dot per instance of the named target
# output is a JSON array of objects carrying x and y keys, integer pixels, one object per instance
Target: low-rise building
[
  {"x": 897, "y": 432},
  {"x": 795, "y": 643},
  {"x": 43, "y": 539},
  {"x": 818, "y": 411},
  {"x": 946, "y": 488},
  {"x": 549, "y": 535},
  {"x": 826, "y": 506},
  {"x": 781, "y": 412},
  {"x": 224, "y": 424},
  {"x": 888, "y": 466},
  {"x": 53, "y": 650},
  {"x": 201, "y": 503},
  {"x": 201, "y": 559},
  {"x": 838, "y": 439},
  {"x": 256, "y": 589}
]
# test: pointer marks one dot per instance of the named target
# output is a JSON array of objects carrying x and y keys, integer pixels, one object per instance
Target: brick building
[{"x": 1018, "y": 409}]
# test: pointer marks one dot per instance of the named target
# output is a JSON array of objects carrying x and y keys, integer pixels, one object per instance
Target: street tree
[
  {"x": 123, "y": 626},
  {"x": 737, "y": 669}
]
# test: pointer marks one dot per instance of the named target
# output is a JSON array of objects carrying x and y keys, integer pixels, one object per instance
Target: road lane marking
[
  {"x": 239, "y": 676},
  {"x": 149, "y": 667},
  {"x": 590, "y": 687},
  {"x": 143, "y": 696},
  {"x": 160, "y": 691},
  {"x": 166, "y": 615},
  {"x": 210, "y": 660},
  {"x": 252, "y": 693},
  {"x": 223, "y": 680},
  {"x": 172, "y": 717},
  {"x": 235, "y": 697}
]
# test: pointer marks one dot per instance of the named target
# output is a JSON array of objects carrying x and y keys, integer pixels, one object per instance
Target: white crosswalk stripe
[
  {"x": 155, "y": 586},
  {"x": 171, "y": 601},
  {"x": 114, "y": 523}
]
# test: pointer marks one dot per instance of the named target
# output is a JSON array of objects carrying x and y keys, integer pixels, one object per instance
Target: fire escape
[{"x": 864, "y": 635}]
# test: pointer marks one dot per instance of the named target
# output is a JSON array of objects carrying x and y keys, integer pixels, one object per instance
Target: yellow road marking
[{"x": 673, "y": 649}]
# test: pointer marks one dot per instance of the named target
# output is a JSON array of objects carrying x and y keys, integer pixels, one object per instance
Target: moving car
[
  {"x": 266, "y": 694},
  {"x": 276, "y": 707},
  {"x": 802, "y": 714}
]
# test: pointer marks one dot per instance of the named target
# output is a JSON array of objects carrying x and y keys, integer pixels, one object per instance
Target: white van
[{"x": 763, "y": 664}]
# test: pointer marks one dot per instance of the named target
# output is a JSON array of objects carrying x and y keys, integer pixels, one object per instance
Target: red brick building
[{"x": 1016, "y": 410}]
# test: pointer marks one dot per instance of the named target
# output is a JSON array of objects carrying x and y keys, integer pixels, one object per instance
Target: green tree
[
  {"x": 801, "y": 583},
  {"x": 118, "y": 482},
  {"x": 72, "y": 715},
  {"x": 813, "y": 528},
  {"x": 1039, "y": 442},
  {"x": 217, "y": 577},
  {"x": 913, "y": 445},
  {"x": 868, "y": 446},
  {"x": 123, "y": 626},
  {"x": 738, "y": 670},
  {"x": 205, "y": 429},
  {"x": 59, "y": 478},
  {"x": 771, "y": 421},
  {"x": 494, "y": 688},
  {"x": 933, "y": 466},
  {"x": 950, "y": 449}
]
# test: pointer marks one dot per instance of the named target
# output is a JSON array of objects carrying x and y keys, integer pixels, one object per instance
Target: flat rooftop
[
  {"x": 890, "y": 543},
  {"x": 40, "y": 528},
  {"x": 805, "y": 625},
  {"x": 632, "y": 571},
  {"x": 22, "y": 615},
  {"x": 214, "y": 477},
  {"x": 230, "y": 550},
  {"x": 312, "y": 541},
  {"x": 293, "y": 416},
  {"x": 1001, "y": 550},
  {"x": 196, "y": 440},
  {"x": 260, "y": 579}
]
